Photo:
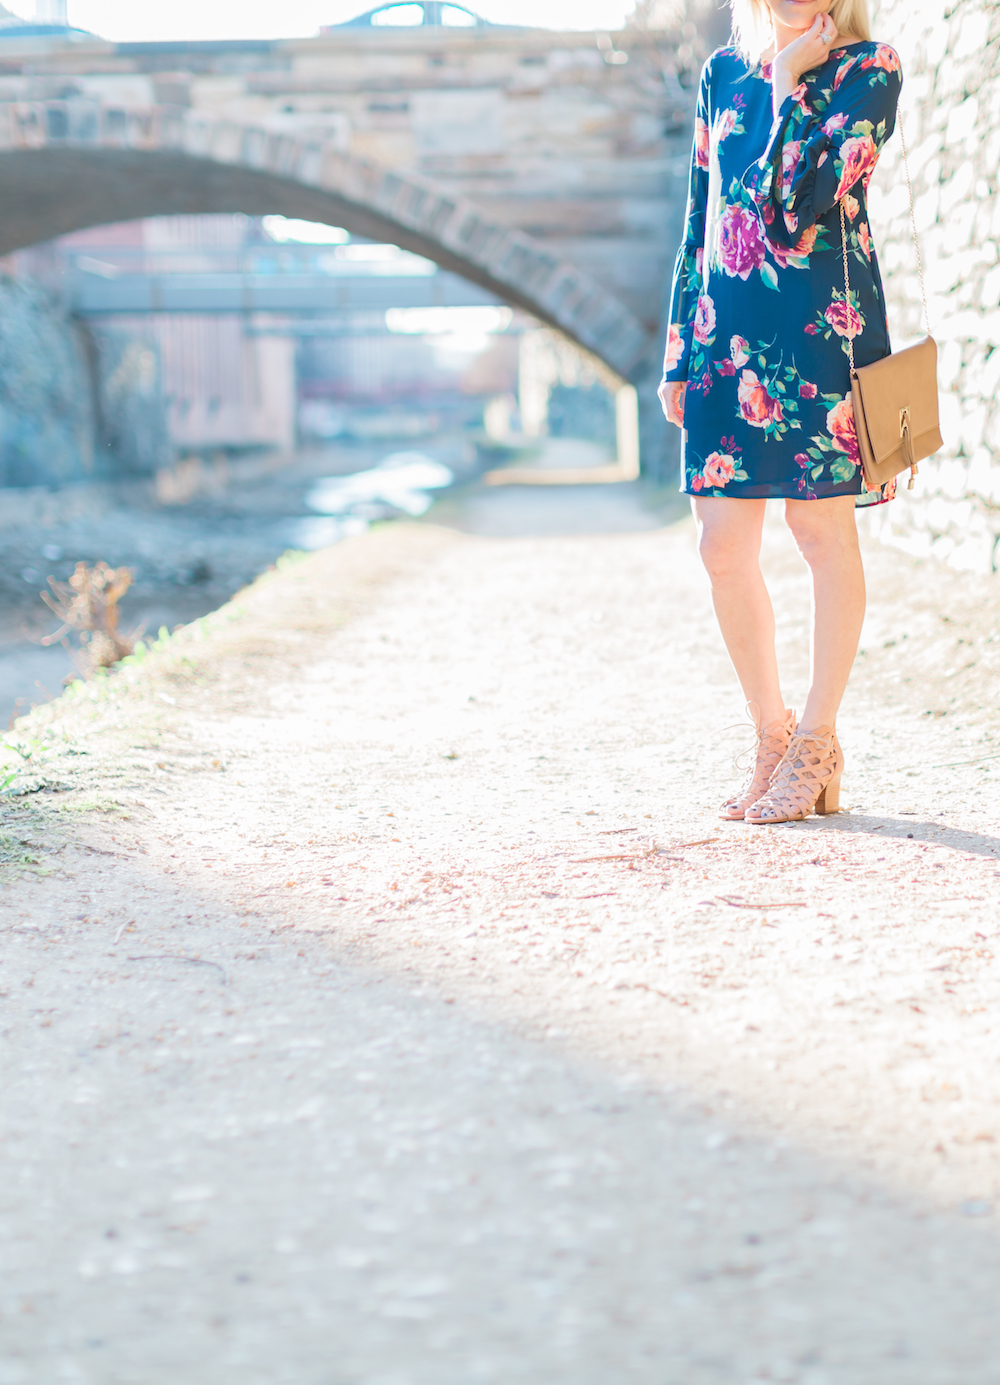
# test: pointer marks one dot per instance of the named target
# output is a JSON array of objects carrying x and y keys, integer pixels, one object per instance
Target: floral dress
[{"x": 759, "y": 316}]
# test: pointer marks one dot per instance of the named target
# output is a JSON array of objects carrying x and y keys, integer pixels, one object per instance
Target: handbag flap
[{"x": 905, "y": 380}]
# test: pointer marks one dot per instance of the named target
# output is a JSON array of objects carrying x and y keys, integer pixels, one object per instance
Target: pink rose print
[
  {"x": 725, "y": 124},
  {"x": 840, "y": 426},
  {"x": 700, "y": 142},
  {"x": 851, "y": 206},
  {"x": 806, "y": 390},
  {"x": 800, "y": 251},
  {"x": 702, "y": 384},
  {"x": 741, "y": 248},
  {"x": 799, "y": 97},
  {"x": 789, "y": 161},
  {"x": 791, "y": 223},
  {"x": 845, "y": 319},
  {"x": 859, "y": 156},
  {"x": 883, "y": 57},
  {"x": 842, "y": 72},
  {"x": 719, "y": 469},
  {"x": 699, "y": 260},
  {"x": 704, "y": 320},
  {"x": 804, "y": 462},
  {"x": 758, "y": 408},
  {"x": 675, "y": 344},
  {"x": 725, "y": 367},
  {"x": 811, "y": 329},
  {"x": 864, "y": 239},
  {"x": 836, "y": 122},
  {"x": 739, "y": 350}
]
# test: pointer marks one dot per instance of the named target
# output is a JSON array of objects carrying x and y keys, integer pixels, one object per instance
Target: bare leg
[
  {"x": 826, "y": 532},
  {"x": 729, "y": 534}
]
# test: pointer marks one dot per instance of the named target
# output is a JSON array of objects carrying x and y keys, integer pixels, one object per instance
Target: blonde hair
[{"x": 753, "y": 30}]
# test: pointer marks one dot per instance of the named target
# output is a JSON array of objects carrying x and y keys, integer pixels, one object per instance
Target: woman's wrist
[{"x": 783, "y": 83}]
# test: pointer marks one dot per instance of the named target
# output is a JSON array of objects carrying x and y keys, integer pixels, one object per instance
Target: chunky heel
[
  {"x": 806, "y": 781},
  {"x": 829, "y": 797}
]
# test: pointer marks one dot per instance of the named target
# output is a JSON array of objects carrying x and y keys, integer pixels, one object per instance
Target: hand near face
[{"x": 810, "y": 50}]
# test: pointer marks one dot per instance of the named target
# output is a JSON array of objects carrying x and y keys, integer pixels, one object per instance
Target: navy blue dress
[{"x": 759, "y": 317}]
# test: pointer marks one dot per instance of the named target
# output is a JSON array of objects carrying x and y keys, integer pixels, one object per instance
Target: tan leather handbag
[{"x": 895, "y": 399}]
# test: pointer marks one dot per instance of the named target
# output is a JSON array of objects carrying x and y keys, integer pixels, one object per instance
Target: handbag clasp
[{"x": 907, "y": 436}]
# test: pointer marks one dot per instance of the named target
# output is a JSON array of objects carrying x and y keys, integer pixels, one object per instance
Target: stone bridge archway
[{"x": 66, "y": 165}]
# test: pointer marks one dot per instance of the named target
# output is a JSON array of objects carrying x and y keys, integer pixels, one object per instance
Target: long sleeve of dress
[
  {"x": 819, "y": 149},
  {"x": 688, "y": 266}
]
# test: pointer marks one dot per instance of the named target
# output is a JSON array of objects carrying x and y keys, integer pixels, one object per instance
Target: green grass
[
  {"x": 109, "y": 806},
  {"x": 15, "y": 757},
  {"x": 16, "y": 852},
  {"x": 27, "y": 836}
]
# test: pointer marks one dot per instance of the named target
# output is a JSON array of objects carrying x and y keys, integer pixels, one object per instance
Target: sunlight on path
[{"x": 512, "y": 1061}]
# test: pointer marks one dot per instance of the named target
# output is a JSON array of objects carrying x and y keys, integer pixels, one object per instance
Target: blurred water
[
  {"x": 401, "y": 482},
  {"x": 30, "y": 674},
  {"x": 310, "y": 534}
]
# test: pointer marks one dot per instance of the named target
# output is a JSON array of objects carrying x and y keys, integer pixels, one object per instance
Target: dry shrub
[{"x": 88, "y": 603}]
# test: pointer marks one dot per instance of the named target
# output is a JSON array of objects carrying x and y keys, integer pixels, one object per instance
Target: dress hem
[{"x": 782, "y": 492}]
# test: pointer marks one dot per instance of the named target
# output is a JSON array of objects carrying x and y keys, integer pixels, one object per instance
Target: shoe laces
[{"x": 795, "y": 762}]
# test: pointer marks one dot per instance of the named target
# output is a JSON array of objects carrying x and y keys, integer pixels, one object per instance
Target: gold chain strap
[
  {"x": 916, "y": 247},
  {"x": 847, "y": 282}
]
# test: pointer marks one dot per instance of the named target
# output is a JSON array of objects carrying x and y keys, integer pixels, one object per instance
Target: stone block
[
  {"x": 984, "y": 476},
  {"x": 973, "y": 426},
  {"x": 972, "y": 553},
  {"x": 961, "y": 121}
]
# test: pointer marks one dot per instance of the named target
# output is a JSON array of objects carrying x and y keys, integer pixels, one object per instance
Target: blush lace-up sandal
[
  {"x": 770, "y": 746},
  {"x": 806, "y": 781}
]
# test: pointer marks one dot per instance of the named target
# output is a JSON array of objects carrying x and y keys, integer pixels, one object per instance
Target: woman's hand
[
  {"x": 803, "y": 54},
  {"x": 671, "y": 396}
]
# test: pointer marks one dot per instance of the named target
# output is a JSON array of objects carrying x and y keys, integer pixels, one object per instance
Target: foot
[
  {"x": 771, "y": 744},
  {"x": 806, "y": 781}
]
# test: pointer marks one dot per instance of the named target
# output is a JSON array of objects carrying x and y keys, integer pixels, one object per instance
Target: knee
[
  {"x": 810, "y": 541},
  {"x": 722, "y": 559},
  {"x": 820, "y": 541}
]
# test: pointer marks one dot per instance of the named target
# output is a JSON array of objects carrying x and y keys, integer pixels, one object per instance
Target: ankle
[
  {"x": 814, "y": 717},
  {"x": 768, "y": 715}
]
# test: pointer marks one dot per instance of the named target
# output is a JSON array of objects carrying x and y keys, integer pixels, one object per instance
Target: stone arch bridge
[
  {"x": 549, "y": 168},
  {"x": 70, "y": 164}
]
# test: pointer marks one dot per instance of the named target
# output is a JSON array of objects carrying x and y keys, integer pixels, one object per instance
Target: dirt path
[{"x": 396, "y": 1011}]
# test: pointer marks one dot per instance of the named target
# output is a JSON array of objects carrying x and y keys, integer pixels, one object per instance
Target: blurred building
[{"x": 241, "y": 381}]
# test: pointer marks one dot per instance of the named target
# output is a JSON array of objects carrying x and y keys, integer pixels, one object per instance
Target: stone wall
[
  {"x": 46, "y": 399},
  {"x": 75, "y": 406},
  {"x": 951, "y": 113},
  {"x": 132, "y": 437}
]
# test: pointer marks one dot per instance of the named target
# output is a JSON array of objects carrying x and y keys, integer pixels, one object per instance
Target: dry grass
[{"x": 88, "y": 604}]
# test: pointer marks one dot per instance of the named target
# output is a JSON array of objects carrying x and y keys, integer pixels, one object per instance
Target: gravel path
[{"x": 386, "y": 1005}]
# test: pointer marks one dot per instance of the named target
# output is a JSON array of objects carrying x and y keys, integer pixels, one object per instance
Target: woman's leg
[
  {"x": 729, "y": 534},
  {"x": 826, "y": 532}
]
